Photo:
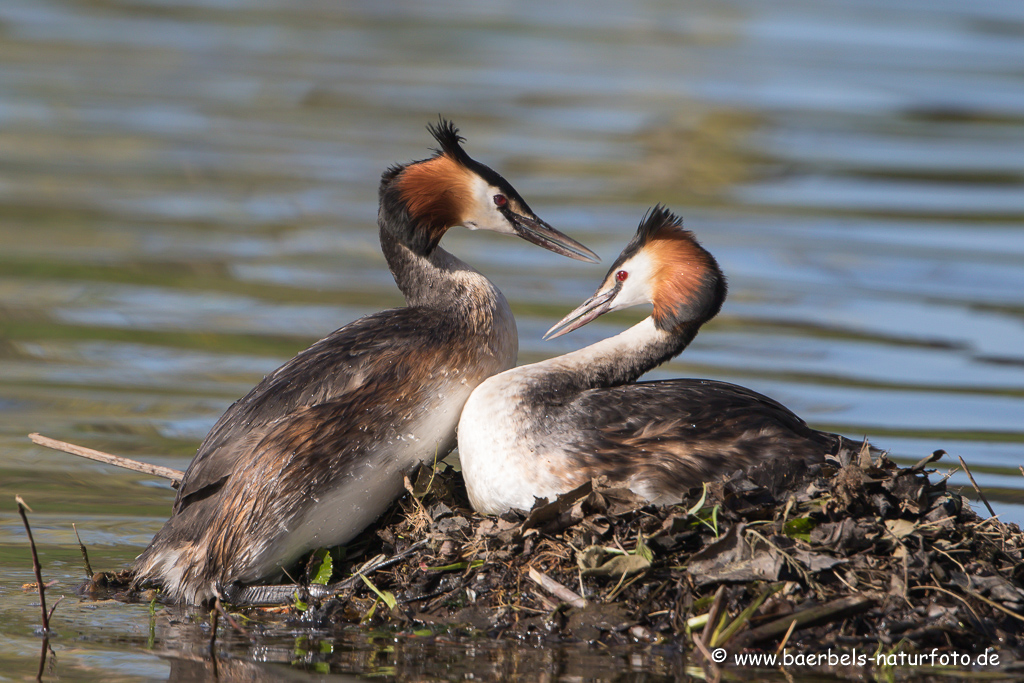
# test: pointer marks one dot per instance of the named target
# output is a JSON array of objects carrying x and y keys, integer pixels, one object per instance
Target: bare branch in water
[
  {"x": 127, "y": 463},
  {"x": 22, "y": 506}
]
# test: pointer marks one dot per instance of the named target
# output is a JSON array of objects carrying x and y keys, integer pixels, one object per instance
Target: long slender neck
[
  {"x": 460, "y": 296},
  {"x": 427, "y": 275},
  {"x": 617, "y": 360},
  {"x": 434, "y": 280}
]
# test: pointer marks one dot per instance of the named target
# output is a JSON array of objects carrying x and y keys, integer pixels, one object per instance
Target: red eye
[
  {"x": 500, "y": 200},
  {"x": 621, "y": 276}
]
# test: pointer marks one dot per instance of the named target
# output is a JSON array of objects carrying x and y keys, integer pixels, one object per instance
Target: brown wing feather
[
  {"x": 677, "y": 433},
  {"x": 373, "y": 348},
  {"x": 299, "y": 458}
]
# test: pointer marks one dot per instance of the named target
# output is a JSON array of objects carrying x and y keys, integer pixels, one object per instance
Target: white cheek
[
  {"x": 637, "y": 288},
  {"x": 485, "y": 215}
]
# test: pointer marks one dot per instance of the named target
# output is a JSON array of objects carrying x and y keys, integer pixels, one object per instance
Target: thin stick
[
  {"x": 704, "y": 651},
  {"x": 990, "y": 603},
  {"x": 558, "y": 590},
  {"x": 85, "y": 553},
  {"x": 714, "y": 616},
  {"x": 623, "y": 586},
  {"x": 42, "y": 658},
  {"x": 973, "y": 594},
  {"x": 951, "y": 594},
  {"x": 127, "y": 463},
  {"x": 54, "y": 608},
  {"x": 947, "y": 475},
  {"x": 227, "y": 617},
  {"x": 35, "y": 564},
  {"x": 977, "y": 488},
  {"x": 785, "y": 639}
]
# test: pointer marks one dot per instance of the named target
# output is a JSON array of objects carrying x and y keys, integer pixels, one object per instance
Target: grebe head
[
  {"x": 420, "y": 201},
  {"x": 663, "y": 265}
]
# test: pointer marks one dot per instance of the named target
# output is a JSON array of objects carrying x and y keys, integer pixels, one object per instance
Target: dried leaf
[
  {"x": 598, "y": 561},
  {"x": 900, "y": 528}
]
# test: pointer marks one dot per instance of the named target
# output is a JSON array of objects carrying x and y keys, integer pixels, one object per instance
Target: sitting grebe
[
  {"x": 542, "y": 429},
  {"x": 318, "y": 449}
]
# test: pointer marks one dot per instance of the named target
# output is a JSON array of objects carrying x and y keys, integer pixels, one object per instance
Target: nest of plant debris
[
  {"x": 852, "y": 553},
  {"x": 856, "y": 552}
]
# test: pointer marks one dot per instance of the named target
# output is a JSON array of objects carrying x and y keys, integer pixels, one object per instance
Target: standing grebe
[
  {"x": 318, "y": 449},
  {"x": 543, "y": 429}
]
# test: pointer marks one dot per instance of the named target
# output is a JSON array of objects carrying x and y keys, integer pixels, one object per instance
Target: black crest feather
[
  {"x": 447, "y": 135},
  {"x": 654, "y": 220}
]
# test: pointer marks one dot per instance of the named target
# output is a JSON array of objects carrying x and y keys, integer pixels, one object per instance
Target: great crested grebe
[
  {"x": 318, "y": 449},
  {"x": 543, "y": 429}
]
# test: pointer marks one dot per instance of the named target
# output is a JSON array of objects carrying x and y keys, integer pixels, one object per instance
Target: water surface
[{"x": 188, "y": 198}]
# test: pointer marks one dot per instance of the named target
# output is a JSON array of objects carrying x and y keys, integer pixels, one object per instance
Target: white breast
[
  {"x": 369, "y": 487},
  {"x": 504, "y": 463}
]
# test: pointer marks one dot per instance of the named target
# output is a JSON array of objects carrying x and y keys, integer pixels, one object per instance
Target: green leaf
[
  {"x": 456, "y": 566},
  {"x": 713, "y": 524},
  {"x": 370, "y": 612},
  {"x": 700, "y": 503},
  {"x": 642, "y": 549},
  {"x": 799, "y": 525},
  {"x": 326, "y": 570},
  {"x": 387, "y": 596},
  {"x": 702, "y": 603}
]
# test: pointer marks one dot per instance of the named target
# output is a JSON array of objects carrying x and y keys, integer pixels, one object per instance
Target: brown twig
[
  {"x": 227, "y": 617},
  {"x": 973, "y": 594},
  {"x": 990, "y": 603},
  {"x": 976, "y": 487},
  {"x": 558, "y": 590},
  {"x": 54, "y": 607},
  {"x": 22, "y": 506},
  {"x": 85, "y": 553},
  {"x": 708, "y": 659},
  {"x": 127, "y": 463},
  {"x": 42, "y": 658},
  {"x": 785, "y": 638},
  {"x": 951, "y": 594},
  {"x": 714, "y": 616}
]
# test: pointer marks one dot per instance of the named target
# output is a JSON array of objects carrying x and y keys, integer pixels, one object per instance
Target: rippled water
[{"x": 188, "y": 197}]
